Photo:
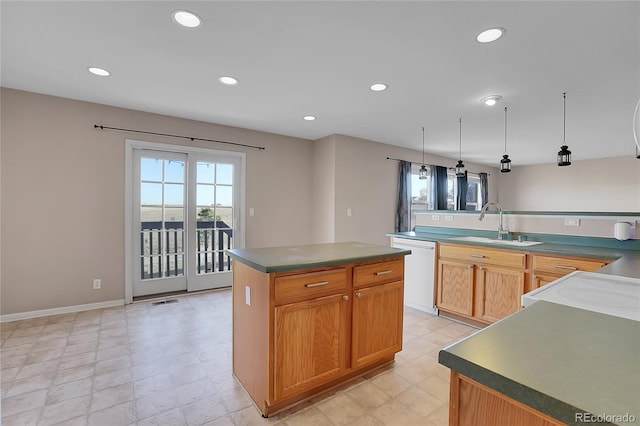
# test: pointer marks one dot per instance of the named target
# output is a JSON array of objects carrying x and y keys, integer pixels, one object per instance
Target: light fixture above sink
[{"x": 485, "y": 240}]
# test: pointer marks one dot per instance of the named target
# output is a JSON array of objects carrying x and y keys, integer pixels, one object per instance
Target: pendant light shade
[
  {"x": 505, "y": 163},
  {"x": 423, "y": 173},
  {"x": 460, "y": 171},
  {"x": 564, "y": 155}
]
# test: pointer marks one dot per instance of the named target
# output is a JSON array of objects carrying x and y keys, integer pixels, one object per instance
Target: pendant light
[
  {"x": 505, "y": 163},
  {"x": 423, "y": 170},
  {"x": 564, "y": 155},
  {"x": 460, "y": 166}
]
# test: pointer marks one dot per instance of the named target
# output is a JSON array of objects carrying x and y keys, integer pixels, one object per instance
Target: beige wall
[
  {"x": 603, "y": 185},
  {"x": 367, "y": 183},
  {"x": 63, "y": 195},
  {"x": 323, "y": 194}
]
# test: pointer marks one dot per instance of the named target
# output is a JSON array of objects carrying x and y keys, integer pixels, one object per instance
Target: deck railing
[{"x": 162, "y": 248}]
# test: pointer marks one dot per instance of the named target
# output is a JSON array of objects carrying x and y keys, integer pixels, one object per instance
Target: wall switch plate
[
  {"x": 448, "y": 218},
  {"x": 97, "y": 284},
  {"x": 247, "y": 295},
  {"x": 349, "y": 212},
  {"x": 251, "y": 211},
  {"x": 571, "y": 222},
  {"x": 435, "y": 217}
]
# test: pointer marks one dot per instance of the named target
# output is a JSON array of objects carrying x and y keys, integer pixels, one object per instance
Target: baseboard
[{"x": 58, "y": 311}]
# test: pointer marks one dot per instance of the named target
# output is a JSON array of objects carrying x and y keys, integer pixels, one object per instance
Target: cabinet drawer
[
  {"x": 482, "y": 255},
  {"x": 378, "y": 273},
  {"x": 293, "y": 288},
  {"x": 563, "y": 265}
]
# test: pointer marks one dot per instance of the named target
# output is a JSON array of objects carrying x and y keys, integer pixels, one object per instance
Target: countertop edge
[{"x": 539, "y": 401}]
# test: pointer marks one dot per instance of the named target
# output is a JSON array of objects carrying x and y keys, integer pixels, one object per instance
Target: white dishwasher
[{"x": 419, "y": 273}]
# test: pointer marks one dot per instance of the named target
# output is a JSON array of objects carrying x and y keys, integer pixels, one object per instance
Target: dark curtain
[
  {"x": 404, "y": 192},
  {"x": 463, "y": 187},
  {"x": 439, "y": 182},
  {"x": 484, "y": 188}
]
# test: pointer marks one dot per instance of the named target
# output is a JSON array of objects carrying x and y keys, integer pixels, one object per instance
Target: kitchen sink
[{"x": 486, "y": 240}]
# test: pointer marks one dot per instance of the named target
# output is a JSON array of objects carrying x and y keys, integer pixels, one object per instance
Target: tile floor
[{"x": 171, "y": 365}]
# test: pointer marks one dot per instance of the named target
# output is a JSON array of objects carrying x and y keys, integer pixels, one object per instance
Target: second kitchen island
[{"x": 307, "y": 318}]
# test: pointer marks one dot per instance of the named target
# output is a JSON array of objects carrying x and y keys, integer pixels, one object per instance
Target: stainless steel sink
[{"x": 485, "y": 240}]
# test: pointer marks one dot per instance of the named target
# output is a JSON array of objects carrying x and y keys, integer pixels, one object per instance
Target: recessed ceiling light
[
  {"x": 309, "y": 117},
  {"x": 228, "y": 80},
  {"x": 99, "y": 71},
  {"x": 491, "y": 100},
  {"x": 186, "y": 19},
  {"x": 491, "y": 34},
  {"x": 378, "y": 87}
]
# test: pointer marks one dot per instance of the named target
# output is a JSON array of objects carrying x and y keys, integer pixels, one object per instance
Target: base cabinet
[
  {"x": 547, "y": 269},
  {"x": 484, "y": 285},
  {"x": 472, "y": 404},
  {"x": 297, "y": 333},
  {"x": 377, "y": 323},
  {"x": 310, "y": 344}
]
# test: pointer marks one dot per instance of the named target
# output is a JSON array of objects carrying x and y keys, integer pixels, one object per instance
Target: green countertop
[
  {"x": 558, "y": 360},
  {"x": 626, "y": 262},
  {"x": 290, "y": 258}
]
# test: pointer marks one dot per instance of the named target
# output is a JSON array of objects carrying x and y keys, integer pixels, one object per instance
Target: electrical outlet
[
  {"x": 435, "y": 217},
  {"x": 572, "y": 222},
  {"x": 448, "y": 218},
  {"x": 97, "y": 284}
]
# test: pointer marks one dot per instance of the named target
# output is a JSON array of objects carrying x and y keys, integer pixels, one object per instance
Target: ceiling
[{"x": 298, "y": 58}]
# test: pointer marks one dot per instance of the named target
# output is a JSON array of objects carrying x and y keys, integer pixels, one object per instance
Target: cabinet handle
[
  {"x": 573, "y": 268},
  {"x": 469, "y": 266},
  {"x": 320, "y": 284},
  {"x": 535, "y": 277},
  {"x": 359, "y": 295},
  {"x": 478, "y": 255},
  {"x": 384, "y": 272},
  {"x": 345, "y": 298}
]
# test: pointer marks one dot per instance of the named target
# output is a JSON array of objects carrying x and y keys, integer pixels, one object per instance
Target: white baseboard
[{"x": 58, "y": 311}]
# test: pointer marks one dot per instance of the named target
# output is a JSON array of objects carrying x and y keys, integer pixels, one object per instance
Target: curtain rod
[
  {"x": 98, "y": 126},
  {"x": 448, "y": 168}
]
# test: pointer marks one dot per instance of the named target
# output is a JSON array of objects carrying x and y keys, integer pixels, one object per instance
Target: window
[
  {"x": 474, "y": 194},
  {"x": 421, "y": 197}
]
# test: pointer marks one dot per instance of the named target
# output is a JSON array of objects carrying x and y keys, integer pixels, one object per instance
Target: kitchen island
[
  {"x": 307, "y": 318},
  {"x": 548, "y": 364}
]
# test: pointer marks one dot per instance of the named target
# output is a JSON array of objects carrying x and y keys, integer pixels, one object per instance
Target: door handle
[
  {"x": 345, "y": 298},
  {"x": 359, "y": 295}
]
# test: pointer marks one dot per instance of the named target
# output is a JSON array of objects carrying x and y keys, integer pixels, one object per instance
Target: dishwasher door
[{"x": 419, "y": 274}]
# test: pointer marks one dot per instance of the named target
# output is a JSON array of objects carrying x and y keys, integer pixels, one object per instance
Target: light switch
[
  {"x": 251, "y": 211},
  {"x": 247, "y": 295},
  {"x": 349, "y": 212}
]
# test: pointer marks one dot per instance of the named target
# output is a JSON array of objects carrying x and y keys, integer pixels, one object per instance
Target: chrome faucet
[{"x": 501, "y": 231}]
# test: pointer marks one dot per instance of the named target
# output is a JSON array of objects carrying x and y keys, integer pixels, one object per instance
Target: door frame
[{"x": 129, "y": 237}]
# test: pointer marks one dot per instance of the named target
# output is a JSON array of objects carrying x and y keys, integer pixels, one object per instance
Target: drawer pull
[
  {"x": 320, "y": 284},
  {"x": 573, "y": 268},
  {"x": 384, "y": 272},
  {"x": 478, "y": 255}
]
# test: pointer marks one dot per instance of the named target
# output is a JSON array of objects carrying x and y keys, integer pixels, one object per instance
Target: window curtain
[
  {"x": 439, "y": 187},
  {"x": 404, "y": 192},
  {"x": 463, "y": 187},
  {"x": 484, "y": 188}
]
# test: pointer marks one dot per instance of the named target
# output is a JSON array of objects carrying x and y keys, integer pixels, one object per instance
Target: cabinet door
[
  {"x": 539, "y": 280},
  {"x": 500, "y": 290},
  {"x": 377, "y": 323},
  {"x": 455, "y": 286},
  {"x": 310, "y": 345}
]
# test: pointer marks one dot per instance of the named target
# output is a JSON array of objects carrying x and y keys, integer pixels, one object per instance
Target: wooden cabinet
[
  {"x": 549, "y": 268},
  {"x": 297, "y": 333},
  {"x": 479, "y": 283},
  {"x": 377, "y": 323},
  {"x": 310, "y": 344},
  {"x": 472, "y": 404}
]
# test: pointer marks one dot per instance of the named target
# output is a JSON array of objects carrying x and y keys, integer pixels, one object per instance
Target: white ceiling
[{"x": 319, "y": 58}]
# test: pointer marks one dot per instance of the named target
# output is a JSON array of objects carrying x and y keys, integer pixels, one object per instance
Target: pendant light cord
[
  {"x": 564, "y": 119},
  {"x": 505, "y": 130},
  {"x": 423, "y": 145},
  {"x": 460, "y": 149}
]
